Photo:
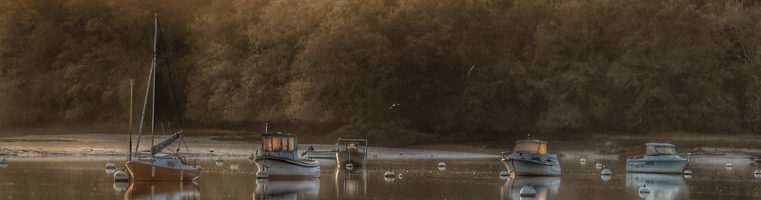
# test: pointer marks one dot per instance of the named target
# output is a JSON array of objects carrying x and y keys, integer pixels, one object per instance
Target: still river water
[{"x": 40, "y": 178}]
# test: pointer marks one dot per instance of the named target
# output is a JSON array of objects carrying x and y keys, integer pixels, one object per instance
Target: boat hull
[
  {"x": 278, "y": 168},
  {"x": 147, "y": 171},
  {"x": 519, "y": 167},
  {"x": 356, "y": 158},
  {"x": 656, "y": 166}
]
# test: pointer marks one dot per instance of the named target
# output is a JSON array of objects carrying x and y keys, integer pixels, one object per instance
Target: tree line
[{"x": 403, "y": 70}]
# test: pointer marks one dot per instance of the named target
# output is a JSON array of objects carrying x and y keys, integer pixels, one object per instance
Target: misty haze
[{"x": 380, "y": 99}]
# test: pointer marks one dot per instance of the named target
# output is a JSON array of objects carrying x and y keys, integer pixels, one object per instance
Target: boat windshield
[
  {"x": 531, "y": 147},
  {"x": 656, "y": 150}
]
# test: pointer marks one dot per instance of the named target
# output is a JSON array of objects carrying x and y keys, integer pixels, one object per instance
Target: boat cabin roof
[
  {"x": 655, "y": 144},
  {"x": 344, "y": 140},
  {"x": 531, "y": 146}
]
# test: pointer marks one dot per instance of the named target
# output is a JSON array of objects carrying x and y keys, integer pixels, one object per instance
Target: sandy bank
[{"x": 111, "y": 145}]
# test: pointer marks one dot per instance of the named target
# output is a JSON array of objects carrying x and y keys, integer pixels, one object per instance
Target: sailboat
[{"x": 158, "y": 166}]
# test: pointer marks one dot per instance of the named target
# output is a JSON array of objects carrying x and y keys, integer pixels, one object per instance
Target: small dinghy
[
  {"x": 658, "y": 158},
  {"x": 530, "y": 158},
  {"x": 278, "y": 158}
]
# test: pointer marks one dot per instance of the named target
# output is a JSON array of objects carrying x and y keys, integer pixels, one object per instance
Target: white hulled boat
[
  {"x": 658, "y": 158},
  {"x": 278, "y": 158},
  {"x": 530, "y": 158}
]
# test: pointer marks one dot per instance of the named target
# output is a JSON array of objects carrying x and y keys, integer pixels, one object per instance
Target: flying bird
[{"x": 472, "y": 67}]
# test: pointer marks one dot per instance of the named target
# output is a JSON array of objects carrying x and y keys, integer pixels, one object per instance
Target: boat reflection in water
[
  {"x": 287, "y": 189},
  {"x": 351, "y": 184},
  {"x": 661, "y": 186},
  {"x": 162, "y": 190},
  {"x": 545, "y": 187}
]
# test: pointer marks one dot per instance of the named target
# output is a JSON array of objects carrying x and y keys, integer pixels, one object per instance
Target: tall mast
[
  {"x": 131, "y": 95},
  {"x": 151, "y": 78},
  {"x": 155, "y": 54}
]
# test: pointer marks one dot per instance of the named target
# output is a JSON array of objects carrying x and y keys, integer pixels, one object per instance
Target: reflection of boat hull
[
  {"x": 661, "y": 186},
  {"x": 520, "y": 167},
  {"x": 282, "y": 168},
  {"x": 162, "y": 190},
  {"x": 146, "y": 170},
  {"x": 356, "y": 158},
  {"x": 351, "y": 184},
  {"x": 544, "y": 186},
  {"x": 286, "y": 189},
  {"x": 656, "y": 166}
]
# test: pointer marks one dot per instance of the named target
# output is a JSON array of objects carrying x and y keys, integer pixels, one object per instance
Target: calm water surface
[{"x": 462, "y": 179}]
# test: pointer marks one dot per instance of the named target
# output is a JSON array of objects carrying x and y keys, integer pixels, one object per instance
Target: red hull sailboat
[{"x": 158, "y": 166}]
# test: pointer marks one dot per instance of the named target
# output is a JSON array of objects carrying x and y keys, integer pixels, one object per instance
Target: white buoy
[
  {"x": 400, "y": 175},
  {"x": 503, "y": 175},
  {"x": 527, "y": 191},
  {"x": 598, "y": 166},
  {"x": 757, "y": 173},
  {"x": 349, "y": 166},
  {"x": 687, "y": 172},
  {"x": 262, "y": 175},
  {"x": 583, "y": 161},
  {"x": 110, "y": 165},
  {"x": 729, "y": 165},
  {"x": 218, "y": 161},
  {"x": 121, "y": 176},
  {"x": 606, "y": 171},
  {"x": 234, "y": 166},
  {"x": 442, "y": 164},
  {"x": 389, "y": 174},
  {"x": 644, "y": 191}
]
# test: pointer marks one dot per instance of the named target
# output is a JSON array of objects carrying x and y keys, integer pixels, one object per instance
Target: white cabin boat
[
  {"x": 278, "y": 158},
  {"x": 530, "y": 158},
  {"x": 658, "y": 158}
]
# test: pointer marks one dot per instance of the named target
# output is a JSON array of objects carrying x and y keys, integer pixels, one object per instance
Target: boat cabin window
[
  {"x": 655, "y": 150},
  {"x": 279, "y": 144},
  {"x": 531, "y": 147}
]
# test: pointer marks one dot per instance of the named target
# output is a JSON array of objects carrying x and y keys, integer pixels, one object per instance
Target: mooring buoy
[
  {"x": 389, "y": 174},
  {"x": 121, "y": 176},
  {"x": 598, "y": 166},
  {"x": 110, "y": 165},
  {"x": 644, "y": 191},
  {"x": 606, "y": 171}
]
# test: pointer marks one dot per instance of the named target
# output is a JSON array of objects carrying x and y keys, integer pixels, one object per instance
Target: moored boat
[
  {"x": 158, "y": 166},
  {"x": 658, "y": 158},
  {"x": 278, "y": 158},
  {"x": 530, "y": 158},
  {"x": 352, "y": 151}
]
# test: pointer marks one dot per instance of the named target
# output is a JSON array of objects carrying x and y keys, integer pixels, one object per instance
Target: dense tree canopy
[{"x": 405, "y": 69}]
